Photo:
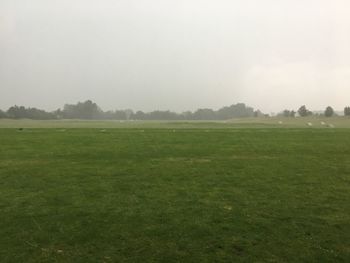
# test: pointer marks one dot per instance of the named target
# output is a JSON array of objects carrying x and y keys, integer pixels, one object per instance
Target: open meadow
[
  {"x": 274, "y": 122},
  {"x": 237, "y": 191}
]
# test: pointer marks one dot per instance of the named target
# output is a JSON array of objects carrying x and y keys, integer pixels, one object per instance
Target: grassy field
[
  {"x": 195, "y": 192},
  {"x": 274, "y": 122}
]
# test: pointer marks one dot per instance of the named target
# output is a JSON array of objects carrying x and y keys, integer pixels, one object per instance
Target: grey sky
[{"x": 175, "y": 54}]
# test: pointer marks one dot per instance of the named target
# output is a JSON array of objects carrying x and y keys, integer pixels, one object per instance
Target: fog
[{"x": 177, "y": 55}]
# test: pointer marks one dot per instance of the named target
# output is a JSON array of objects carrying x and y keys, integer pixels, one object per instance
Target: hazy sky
[{"x": 175, "y": 54}]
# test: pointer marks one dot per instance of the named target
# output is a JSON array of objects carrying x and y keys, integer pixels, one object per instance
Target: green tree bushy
[
  {"x": 304, "y": 112},
  {"x": 329, "y": 112}
]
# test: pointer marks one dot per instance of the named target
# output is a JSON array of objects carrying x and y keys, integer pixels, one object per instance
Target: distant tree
[
  {"x": 3, "y": 114},
  {"x": 16, "y": 112},
  {"x": 58, "y": 113},
  {"x": 82, "y": 110},
  {"x": 108, "y": 115},
  {"x": 139, "y": 115},
  {"x": 37, "y": 114},
  {"x": 292, "y": 113},
  {"x": 286, "y": 113},
  {"x": 20, "y": 112},
  {"x": 347, "y": 111},
  {"x": 120, "y": 115},
  {"x": 258, "y": 113},
  {"x": 303, "y": 111},
  {"x": 329, "y": 112},
  {"x": 162, "y": 115},
  {"x": 204, "y": 114},
  {"x": 239, "y": 110},
  {"x": 187, "y": 115}
]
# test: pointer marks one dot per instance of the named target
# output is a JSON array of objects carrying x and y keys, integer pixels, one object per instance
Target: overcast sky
[{"x": 175, "y": 54}]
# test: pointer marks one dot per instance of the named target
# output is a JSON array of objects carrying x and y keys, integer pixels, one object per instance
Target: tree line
[
  {"x": 89, "y": 110},
  {"x": 304, "y": 112}
]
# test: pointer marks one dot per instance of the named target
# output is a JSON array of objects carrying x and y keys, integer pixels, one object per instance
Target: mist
[{"x": 175, "y": 55}]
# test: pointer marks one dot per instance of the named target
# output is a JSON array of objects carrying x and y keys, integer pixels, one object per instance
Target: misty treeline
[
  {"x": 91, "y": 111},
  {"x": 304, "y": 112}
]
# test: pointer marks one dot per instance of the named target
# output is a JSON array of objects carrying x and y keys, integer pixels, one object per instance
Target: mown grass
[
  {"x": 165, "y": 195},
  {"x": 273, "y": 122}
]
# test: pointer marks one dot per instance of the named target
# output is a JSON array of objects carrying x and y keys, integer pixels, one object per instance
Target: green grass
[
  {"x": 274, "y": 122},
  {"x": 184, "y": 195}
]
